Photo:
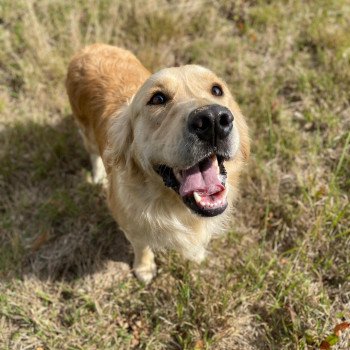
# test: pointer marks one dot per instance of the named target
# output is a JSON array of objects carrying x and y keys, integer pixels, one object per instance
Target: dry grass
[{"x": 279, "y": 280}]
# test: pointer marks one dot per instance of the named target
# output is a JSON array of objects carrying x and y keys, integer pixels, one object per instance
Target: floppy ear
[
  {"x": 242, "y": 126},
  {"x": 119, "y": 139},
  {"x": 244, "y": 139}
]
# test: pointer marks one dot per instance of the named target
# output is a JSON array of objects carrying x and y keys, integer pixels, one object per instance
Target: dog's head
[{"x": 182, "y": 126}]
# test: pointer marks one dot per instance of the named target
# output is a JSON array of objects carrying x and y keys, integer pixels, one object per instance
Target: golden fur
[{"x": 108, "y": 89}]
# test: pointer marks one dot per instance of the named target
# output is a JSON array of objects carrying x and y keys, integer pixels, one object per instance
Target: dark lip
[
  {"x": 170, "y": 181},
  {"x": 191, "y": 203}
]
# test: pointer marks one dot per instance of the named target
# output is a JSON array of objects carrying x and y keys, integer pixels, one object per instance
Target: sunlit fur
[{"x": 109, "y": 90}]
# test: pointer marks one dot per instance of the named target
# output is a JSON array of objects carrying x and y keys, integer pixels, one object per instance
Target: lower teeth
[{"x": 208, "y": 205}]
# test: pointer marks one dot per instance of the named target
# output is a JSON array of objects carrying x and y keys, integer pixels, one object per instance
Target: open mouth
[{"x": 201, "y": 187}]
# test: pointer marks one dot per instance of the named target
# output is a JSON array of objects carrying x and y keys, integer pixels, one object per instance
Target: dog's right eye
[{"x": 158, "y": 99}]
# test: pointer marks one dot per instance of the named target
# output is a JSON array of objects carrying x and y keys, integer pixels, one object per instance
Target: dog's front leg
[{"x": 144, "y": 266}]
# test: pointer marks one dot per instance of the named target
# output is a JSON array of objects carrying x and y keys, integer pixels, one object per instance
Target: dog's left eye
[
  {"x": 158, "y": 99},
  {"x": 216, "y": 90}
]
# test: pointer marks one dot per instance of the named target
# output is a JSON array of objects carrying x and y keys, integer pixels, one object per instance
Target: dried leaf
[
  {"x": 325, "y": 345},
  {"x": 39, "y": 242},
  {"x": 341, "y": 327},
  {"x": 199, "y": 345}
]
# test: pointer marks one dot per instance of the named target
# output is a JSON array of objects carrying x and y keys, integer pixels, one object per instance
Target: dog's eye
[
  {"x": 216, "y": 90},
  {"x": 158, "y": 99}
]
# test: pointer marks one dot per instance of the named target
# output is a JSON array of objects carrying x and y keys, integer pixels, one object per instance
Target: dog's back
[{"x": 100, "y": 79}]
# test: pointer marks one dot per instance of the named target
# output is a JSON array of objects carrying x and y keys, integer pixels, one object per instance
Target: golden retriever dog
[{"x": 171, "y": 145}]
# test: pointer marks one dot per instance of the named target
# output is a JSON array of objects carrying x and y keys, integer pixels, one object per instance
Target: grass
[{"x": 280, "y": 279}]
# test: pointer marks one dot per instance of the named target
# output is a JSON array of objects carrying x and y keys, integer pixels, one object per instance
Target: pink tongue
[{"x": 203, "y": 179}]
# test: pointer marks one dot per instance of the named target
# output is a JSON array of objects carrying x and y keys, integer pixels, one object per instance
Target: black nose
[{"x": 211, "y": 122}]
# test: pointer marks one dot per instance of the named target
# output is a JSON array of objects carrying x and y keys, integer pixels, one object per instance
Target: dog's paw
[
  {"x": 145, "y": 273},
  {"x": 99, "y": 179},
  {"x": 198, "y": 256},
  {"x": 99, "y": 175}
]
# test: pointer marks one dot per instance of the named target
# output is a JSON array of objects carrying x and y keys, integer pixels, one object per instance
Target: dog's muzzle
[{"x": 202, "y": 183}]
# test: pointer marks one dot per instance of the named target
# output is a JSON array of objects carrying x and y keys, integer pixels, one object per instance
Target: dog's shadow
[{"x": 61, "y": 220}]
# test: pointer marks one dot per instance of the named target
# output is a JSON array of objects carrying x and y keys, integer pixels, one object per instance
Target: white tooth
[
  {"x": 216, "y": 164},
  {"x": 197, "y": 197},
  {"x": 178, "y": 175}
]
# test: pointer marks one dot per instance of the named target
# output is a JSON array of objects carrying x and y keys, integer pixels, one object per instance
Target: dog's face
[{"x": 185, "y": 125}]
